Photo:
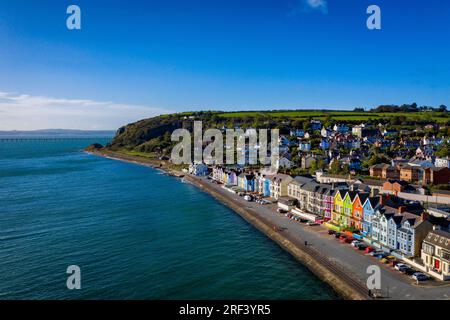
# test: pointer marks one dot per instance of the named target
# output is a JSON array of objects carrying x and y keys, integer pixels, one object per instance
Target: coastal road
[{"x": 394, "y": 284}]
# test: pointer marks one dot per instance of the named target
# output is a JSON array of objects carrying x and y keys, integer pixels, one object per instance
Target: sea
[{"x": 131, "y": 231}]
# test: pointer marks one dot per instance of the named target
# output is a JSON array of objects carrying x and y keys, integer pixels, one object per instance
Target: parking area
[{"x": 395, "y": 284}]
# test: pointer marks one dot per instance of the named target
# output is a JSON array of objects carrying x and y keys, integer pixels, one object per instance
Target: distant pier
[{"x": 20, "y": 139}]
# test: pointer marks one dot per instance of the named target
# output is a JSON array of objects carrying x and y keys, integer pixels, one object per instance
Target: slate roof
[{"x": 439, "y": 238}]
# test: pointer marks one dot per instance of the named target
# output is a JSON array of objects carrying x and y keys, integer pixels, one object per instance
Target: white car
[
  {"x": 419, "y": 276},
  {"x": 355, "y": 243},
  {"x": 400, "y": 266},
  {"x": 248, "y": 198}
]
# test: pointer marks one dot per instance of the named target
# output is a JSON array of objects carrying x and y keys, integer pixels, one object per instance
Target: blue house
[
  {"x": 199, "y": 169},
  {"x": 325, "y": 144},
  {"x": 393, "y": 224},
  {"x": 246, "y": 181},
  {"x": 267, "y": 187},
  {"x": 411, "y": 233},
  {"x": 369, "y": 207},
  {"x": 249, "y": 182},
  {"x": 316, "y": 125},
  {"x": 263, "y": 183},
  {"x": 299, "y": 133},
  {"x": 354, "y": 164}
]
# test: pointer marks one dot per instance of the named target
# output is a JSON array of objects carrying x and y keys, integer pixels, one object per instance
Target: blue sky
[{"x": 134, "y": 59}]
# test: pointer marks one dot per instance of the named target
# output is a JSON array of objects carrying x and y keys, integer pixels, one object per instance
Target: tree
[
  {"x": 443, "y": 150},
  {"x": 442, "y": 108},
  {"x": 335, "y": 167},
  {"x": 376, "y": 158},
  {"x": 345, "y": 169},
  {"x": 316, "y": 165}
]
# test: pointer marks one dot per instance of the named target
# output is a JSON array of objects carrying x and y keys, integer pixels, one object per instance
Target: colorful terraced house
[
  {"x": 370, "y": 205},
  {"x": 358, "y": 210},
  {"x": 348, "y": 208},
  {"x": 337, "y": 215}
]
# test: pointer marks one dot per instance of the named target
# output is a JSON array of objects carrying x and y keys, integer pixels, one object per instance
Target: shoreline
[{"x": 335, "y": 276}]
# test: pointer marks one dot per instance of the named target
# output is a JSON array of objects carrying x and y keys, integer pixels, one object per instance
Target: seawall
[
  {"x": 339, "y": 282},
  {"x": 338, "y": 278}
]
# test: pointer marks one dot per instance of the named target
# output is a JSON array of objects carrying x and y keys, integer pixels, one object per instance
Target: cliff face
[
  {"x": 135, "y": 134},
  {"x": 154, "y": 133}
]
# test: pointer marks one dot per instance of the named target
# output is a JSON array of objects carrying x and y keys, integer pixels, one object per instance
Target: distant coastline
[{"x": 58, "y": 132}]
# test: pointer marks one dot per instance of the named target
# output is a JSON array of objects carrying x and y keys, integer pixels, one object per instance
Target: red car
[
  {"x": 368, "y": 249},
  {"x": 349, "y": 239}
]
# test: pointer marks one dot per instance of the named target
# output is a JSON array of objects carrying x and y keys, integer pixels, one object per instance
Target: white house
[
  {"x": 304, "y": 146},
  {"x": 442, "y": 162},
  {"x": 326, "y": 133},
  {"x": 198, "y": 169},
  {"x": 341, "y": 128},
  {"x": 283, "y": 162}
]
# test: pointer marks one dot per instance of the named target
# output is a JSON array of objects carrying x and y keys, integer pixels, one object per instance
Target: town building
[
  {"x": 199, "y": 169},
  {"x": 435, "y": 254},
  {"x": 279, "y": 185},
  {"x": 316, "y": 125},
  {"x": 436, "y": 175},
  {"x": 442, "y": 162},
  {"x": 394, "y": 186},
  {"x": 410, "y": 173}
]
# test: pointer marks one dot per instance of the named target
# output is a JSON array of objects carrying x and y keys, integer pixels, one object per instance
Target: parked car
[
  {"x": 369, "y": 249},
  {"x": 381, "y": 255},
  {"x": 303, "y": 220},
  {"x": 401, "y": 266},
  {"x": 279, "y": 210},
  {"x": 349, "y": 240},
  {"x": 337, "y": 235},
  {"x": 390, "y": 258},
  {"x": 409, "y": 271},
  {"x": 375, "y": 253},
  {"x": 312, "y": 223},
  {"x": 362, "y": 246},
  {"x": 248, "y": 198},
  {"x": 331, "y": 232},
  {"x": 355, "y": 243},
  {"x": 384, "y": 260},
  {"x": 419, "y": 276}
]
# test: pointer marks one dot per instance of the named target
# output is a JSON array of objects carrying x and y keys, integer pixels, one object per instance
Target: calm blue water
[{"x": 134, "y": 232}]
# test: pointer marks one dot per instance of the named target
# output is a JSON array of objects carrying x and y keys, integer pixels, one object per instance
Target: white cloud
[
  {"x": 311, "y": 5},
  {"x": 27, "y": 112},
  {"x": 317, "y": 4}
]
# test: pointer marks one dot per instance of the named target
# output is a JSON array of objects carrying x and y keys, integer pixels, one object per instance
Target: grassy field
[
  {"x": 150, "y": 155},
  {"x": 338, "y": 115}
]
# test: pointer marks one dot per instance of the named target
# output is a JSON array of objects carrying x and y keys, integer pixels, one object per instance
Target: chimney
[
  {"x": 374, "y": 192},
  {"x": 384, "y": 198}
]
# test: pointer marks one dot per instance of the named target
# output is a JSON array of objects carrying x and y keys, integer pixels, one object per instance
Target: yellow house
[{"x": 338, "y": 207}]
